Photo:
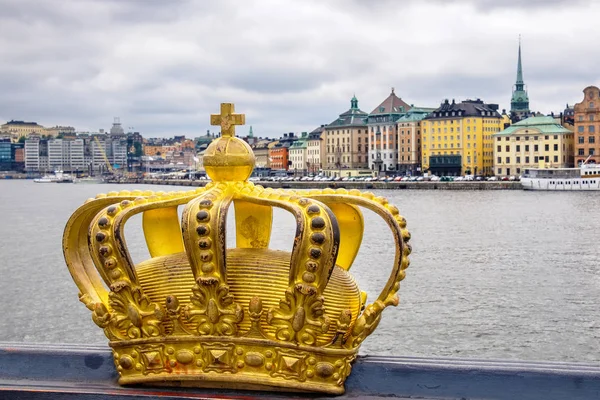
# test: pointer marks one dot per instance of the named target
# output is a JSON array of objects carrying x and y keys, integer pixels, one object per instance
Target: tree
[{"x": 22, "y": 139}]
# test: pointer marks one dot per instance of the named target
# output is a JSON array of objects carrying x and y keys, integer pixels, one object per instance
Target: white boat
[
  {"x": 57, "y": 177},
  {"x": 584, "y": 178},
  {"x": 89, "y": 179}
]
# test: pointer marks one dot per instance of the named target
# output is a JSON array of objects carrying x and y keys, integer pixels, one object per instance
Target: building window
[
  {"x": 581, "y": 139},
  {"x": 518, "y": 148},
  {"x": 580, "y": 129},
  {"x": 508, "y": 160},
  {"x": 499, "y": 148},
  {"x": 535, "y": 147},
  {"x": 526, "y": 147},
  {"x": 527, "y": 160},
  {"x": 580, "y": 118},
  {"x": 546, "y": 147},
  {"x": 535, "y": 159},
  {"x": 499, "y": 160},
  {"x": 518, "y": 160},
  {"x": 580, "y": 152},
  {"x": 591, "y": 117},
  {"x": 499, "y": 171},
  {"x": 507, "y": 148},
  {"x": 555, "y": 158},
  {"x": 591, "y": 139},
  {"x": 591, "y": 129},
  {"x": 555, "y": 147}
]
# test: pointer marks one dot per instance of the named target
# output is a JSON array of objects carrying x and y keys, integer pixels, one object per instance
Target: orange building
[
  {"x": 150, "y": 150},
  {"x": 278, "y": 155},
  {"x": 587, "y": 126}
]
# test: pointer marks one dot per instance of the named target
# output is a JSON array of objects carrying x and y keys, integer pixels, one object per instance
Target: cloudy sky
[{"x": 289, "y": 65}]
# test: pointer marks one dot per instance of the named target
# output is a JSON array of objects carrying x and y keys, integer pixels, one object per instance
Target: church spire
[
  {"x": 519, "y": 104},
  {"x": 519, "y": 69}
]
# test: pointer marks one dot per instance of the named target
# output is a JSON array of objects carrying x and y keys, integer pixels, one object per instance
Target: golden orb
[{"x": 229, "y": 159}]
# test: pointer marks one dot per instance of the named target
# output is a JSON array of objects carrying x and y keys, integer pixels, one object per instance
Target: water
[{"x": 494, "y": 274}]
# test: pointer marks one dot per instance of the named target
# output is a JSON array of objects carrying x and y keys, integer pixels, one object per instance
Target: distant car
[
  {"x": 459, "y": 178},
  {"x": 492, "y": 178}
]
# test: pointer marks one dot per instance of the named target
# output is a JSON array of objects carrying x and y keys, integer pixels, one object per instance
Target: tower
[{"x": 519, "y": 103}]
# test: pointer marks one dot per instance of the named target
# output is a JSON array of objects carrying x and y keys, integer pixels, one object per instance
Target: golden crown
[{"x": 199, "y": 314}]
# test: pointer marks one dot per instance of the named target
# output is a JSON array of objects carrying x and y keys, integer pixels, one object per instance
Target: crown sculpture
[{"x": 203, "y": 315}]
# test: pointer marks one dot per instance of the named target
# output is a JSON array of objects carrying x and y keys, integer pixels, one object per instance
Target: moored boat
[
  {"x": 89, "y": 179},
  {"x": 57, "y": 177},
  {"x": 584, "y": 178}
]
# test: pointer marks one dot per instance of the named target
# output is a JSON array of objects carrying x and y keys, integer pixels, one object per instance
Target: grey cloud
[{"x": 164, "y": 66}]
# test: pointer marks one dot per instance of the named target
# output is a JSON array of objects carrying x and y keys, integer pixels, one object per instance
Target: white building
[
  {"x": 32, "y": 154},
  {"x": 383, "y": 134},
  {"x": 66, "y": 154},
  {"x": 297, "y": 155},
  {"x": 314, "y": 143}
]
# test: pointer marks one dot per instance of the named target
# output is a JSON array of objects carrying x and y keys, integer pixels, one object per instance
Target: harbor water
[{"x": 494, "y": 274}]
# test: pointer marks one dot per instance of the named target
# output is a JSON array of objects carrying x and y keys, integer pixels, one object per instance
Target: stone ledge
[{"x": 40, "y": 371}]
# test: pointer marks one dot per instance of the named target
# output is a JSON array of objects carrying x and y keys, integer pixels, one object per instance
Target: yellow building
[
  {"x": 17, "y": 129},
  {"x": 531, "y": 143},
  {"x": 457, "y": 138}
]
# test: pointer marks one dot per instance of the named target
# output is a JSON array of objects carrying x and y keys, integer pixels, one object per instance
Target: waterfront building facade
[
  {"x": 383, "y": 134},
  {"x": 278, "y": 155},
  {"x": 456, "y": 138},
  {"x": 519, "y": 103},
  {"x": 408, "y": 127},
  {"x": 5, "y": 154},
  {"x": 346, "y": 141},
  {"x": 535, "y": 142},
  {"x": 587, "y": 126},
  {"x": 261, "y": 153},
  {"x": 66, "y": 154},
  {"x": 298, "y": 156},
  {"x": 314, "y": 150},
  {"x": 36, "y": 154}
]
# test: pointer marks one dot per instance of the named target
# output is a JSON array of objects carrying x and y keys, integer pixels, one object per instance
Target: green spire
[
  {"x": 519, "y": 103},
  {"x": 354, "y": 102},
  {"x": 519, "y": 69},
  {"x": 250, "y": 134}
]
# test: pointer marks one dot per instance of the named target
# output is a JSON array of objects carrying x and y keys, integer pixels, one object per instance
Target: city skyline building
[
  {"x": 346, "y": 140},
  {"x": 587, "y": 126},
  {"x": 383, "y": 134}
]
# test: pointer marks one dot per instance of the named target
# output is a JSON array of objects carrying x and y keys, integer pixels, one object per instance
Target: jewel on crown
[{"x": 199, "y": 314}]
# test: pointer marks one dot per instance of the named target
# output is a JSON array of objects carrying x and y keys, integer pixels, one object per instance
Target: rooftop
[
  {"x": 353, "y": 117},
  {"x": 540, "y": 124},
  {"x": 466, "y": 108},
  {"x": 391, "y": 105}
]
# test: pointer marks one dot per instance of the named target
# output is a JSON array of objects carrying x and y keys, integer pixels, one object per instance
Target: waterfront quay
[{"x": 424, "y": 185}]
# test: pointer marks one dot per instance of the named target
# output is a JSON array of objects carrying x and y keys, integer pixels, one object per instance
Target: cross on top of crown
[{"x": 227, "y": 119}]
